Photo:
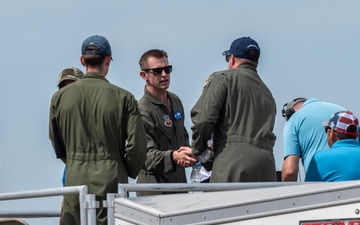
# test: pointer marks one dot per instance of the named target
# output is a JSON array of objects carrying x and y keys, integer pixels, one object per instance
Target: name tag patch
[{"x": 178, "y": 115}]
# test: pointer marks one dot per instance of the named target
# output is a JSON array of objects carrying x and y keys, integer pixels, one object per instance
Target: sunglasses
[
  {"x": 227, "y": 57},
  {"x": 327, "y": 128},
  {"x": 158, "y": 71}
]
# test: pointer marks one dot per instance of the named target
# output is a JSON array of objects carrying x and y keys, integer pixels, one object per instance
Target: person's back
[
  {"x": 239, "y": 109},
  {"x": 249, "y": 107},
  {"x": 340, "y": 162},
  {"x": 248, "y": 120},
  {"x": 98, "y": 112},
  {"x": 303, "y": 133},
  {"x": 101, "y": 129}
]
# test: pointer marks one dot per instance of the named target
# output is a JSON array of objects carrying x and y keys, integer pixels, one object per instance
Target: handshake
[{"x": 184, "y": 156}]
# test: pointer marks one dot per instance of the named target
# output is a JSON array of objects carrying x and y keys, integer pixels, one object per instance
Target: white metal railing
[
  {"x": 88, "y": 204},
  {"x": 124, "y": 189}
]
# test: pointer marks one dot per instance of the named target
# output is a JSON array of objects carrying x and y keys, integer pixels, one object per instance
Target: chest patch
[
  {"x": 178, "y": 115},
  {"x": 167, "y": 121}
]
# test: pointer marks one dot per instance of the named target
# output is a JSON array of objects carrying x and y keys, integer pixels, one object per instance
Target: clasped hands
[{"x": 184, "y": 157}]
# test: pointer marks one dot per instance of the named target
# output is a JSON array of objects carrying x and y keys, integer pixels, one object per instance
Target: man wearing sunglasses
[
  {"x": 239, "y": 110},
  {"x": 163, "y": 116},
  {"x": 303, "y": 135},
  {"x": 341, "y": 161}
]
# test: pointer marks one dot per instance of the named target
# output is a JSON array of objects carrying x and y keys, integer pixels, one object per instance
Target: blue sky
[{"x": 309, "y": 49}]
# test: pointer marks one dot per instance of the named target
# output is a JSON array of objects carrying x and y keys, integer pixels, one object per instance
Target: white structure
[
  {"x": 221, "y": 203},
  {"x": 305, "y": 204}
]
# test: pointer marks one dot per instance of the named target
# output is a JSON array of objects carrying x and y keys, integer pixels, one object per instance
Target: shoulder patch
[{"x": 207, "y": 82}]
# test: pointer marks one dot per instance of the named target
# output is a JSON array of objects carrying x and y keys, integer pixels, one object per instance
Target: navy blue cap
[
  {"x": 100, "y": 42},
  {"x": 240, "y": 46}
]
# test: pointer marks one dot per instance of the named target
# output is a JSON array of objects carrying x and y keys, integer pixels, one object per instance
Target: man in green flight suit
[
  {"x": 163, "y": 116},
  {"x": 239, "y": 110},
  {"x": 101, "y": 130}
]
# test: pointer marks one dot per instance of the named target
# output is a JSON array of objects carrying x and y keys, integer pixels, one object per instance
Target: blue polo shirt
[
  {"x": 303, "y": 133},
  {"x": 339, "y": 163}
]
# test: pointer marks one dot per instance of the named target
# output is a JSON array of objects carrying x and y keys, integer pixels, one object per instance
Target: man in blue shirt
[
  {"x": 341, "y": 161},
  {"x": 303, "y": 134}
]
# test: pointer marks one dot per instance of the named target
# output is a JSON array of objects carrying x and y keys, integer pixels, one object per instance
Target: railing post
[
  {"x": 83, "y": 205},
  {"x": 109, "y": 203},
  {"x": 91, "y": 206}
]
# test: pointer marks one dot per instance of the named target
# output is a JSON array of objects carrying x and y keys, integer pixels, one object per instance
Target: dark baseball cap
[
  {"x": 241, "y": 46},
  {"x": 101, "y": 43},
  {"x": 71, "y": 73}
]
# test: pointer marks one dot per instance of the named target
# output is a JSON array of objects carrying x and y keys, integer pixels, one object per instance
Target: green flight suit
[
  {"x": 240, "y": 110},
  {"x": 104, "y": 138},
  {"x": 165, "y": 132}
]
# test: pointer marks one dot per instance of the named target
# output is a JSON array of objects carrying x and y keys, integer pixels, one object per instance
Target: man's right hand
[{"x": 184, "y": 157}]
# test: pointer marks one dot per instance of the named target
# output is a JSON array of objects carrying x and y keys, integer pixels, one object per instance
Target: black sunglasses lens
[
  {"x": 168, "y": 69},
  {"x": 227, "y": 57},
  {"x": 158, "y": 71},
  {"x": 326, "y": 129}
]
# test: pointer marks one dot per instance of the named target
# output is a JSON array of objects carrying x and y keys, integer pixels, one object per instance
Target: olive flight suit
[
  {"x": 240, "y": 110},
  {"x": 104, "y": 138},
  {"x": 165, "y": 132}
]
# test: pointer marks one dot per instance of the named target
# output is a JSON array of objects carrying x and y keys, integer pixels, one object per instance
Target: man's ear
[
  {"x": 332, "y": 137},
  {"x": 143, "y": 75},
  {"x": 108, "y": 60},
  {"x": 232, "y": 60},
  {"x": 82, "y": 61}
]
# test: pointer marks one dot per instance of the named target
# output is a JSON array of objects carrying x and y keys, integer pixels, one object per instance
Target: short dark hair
[
  {"x": 93, "y": 60},
  {"x": 351, "y": 128},
  {"x": 156, "y": 53},
  {"x": 252, "y": 55}
]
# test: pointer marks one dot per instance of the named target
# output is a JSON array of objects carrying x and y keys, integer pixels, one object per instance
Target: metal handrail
[
  {"x": 124, "y": 189},
  {"x": 81, "y": 190},
  {"x": 87, "y": 207},
  {"x": 30, "y": 214}
]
